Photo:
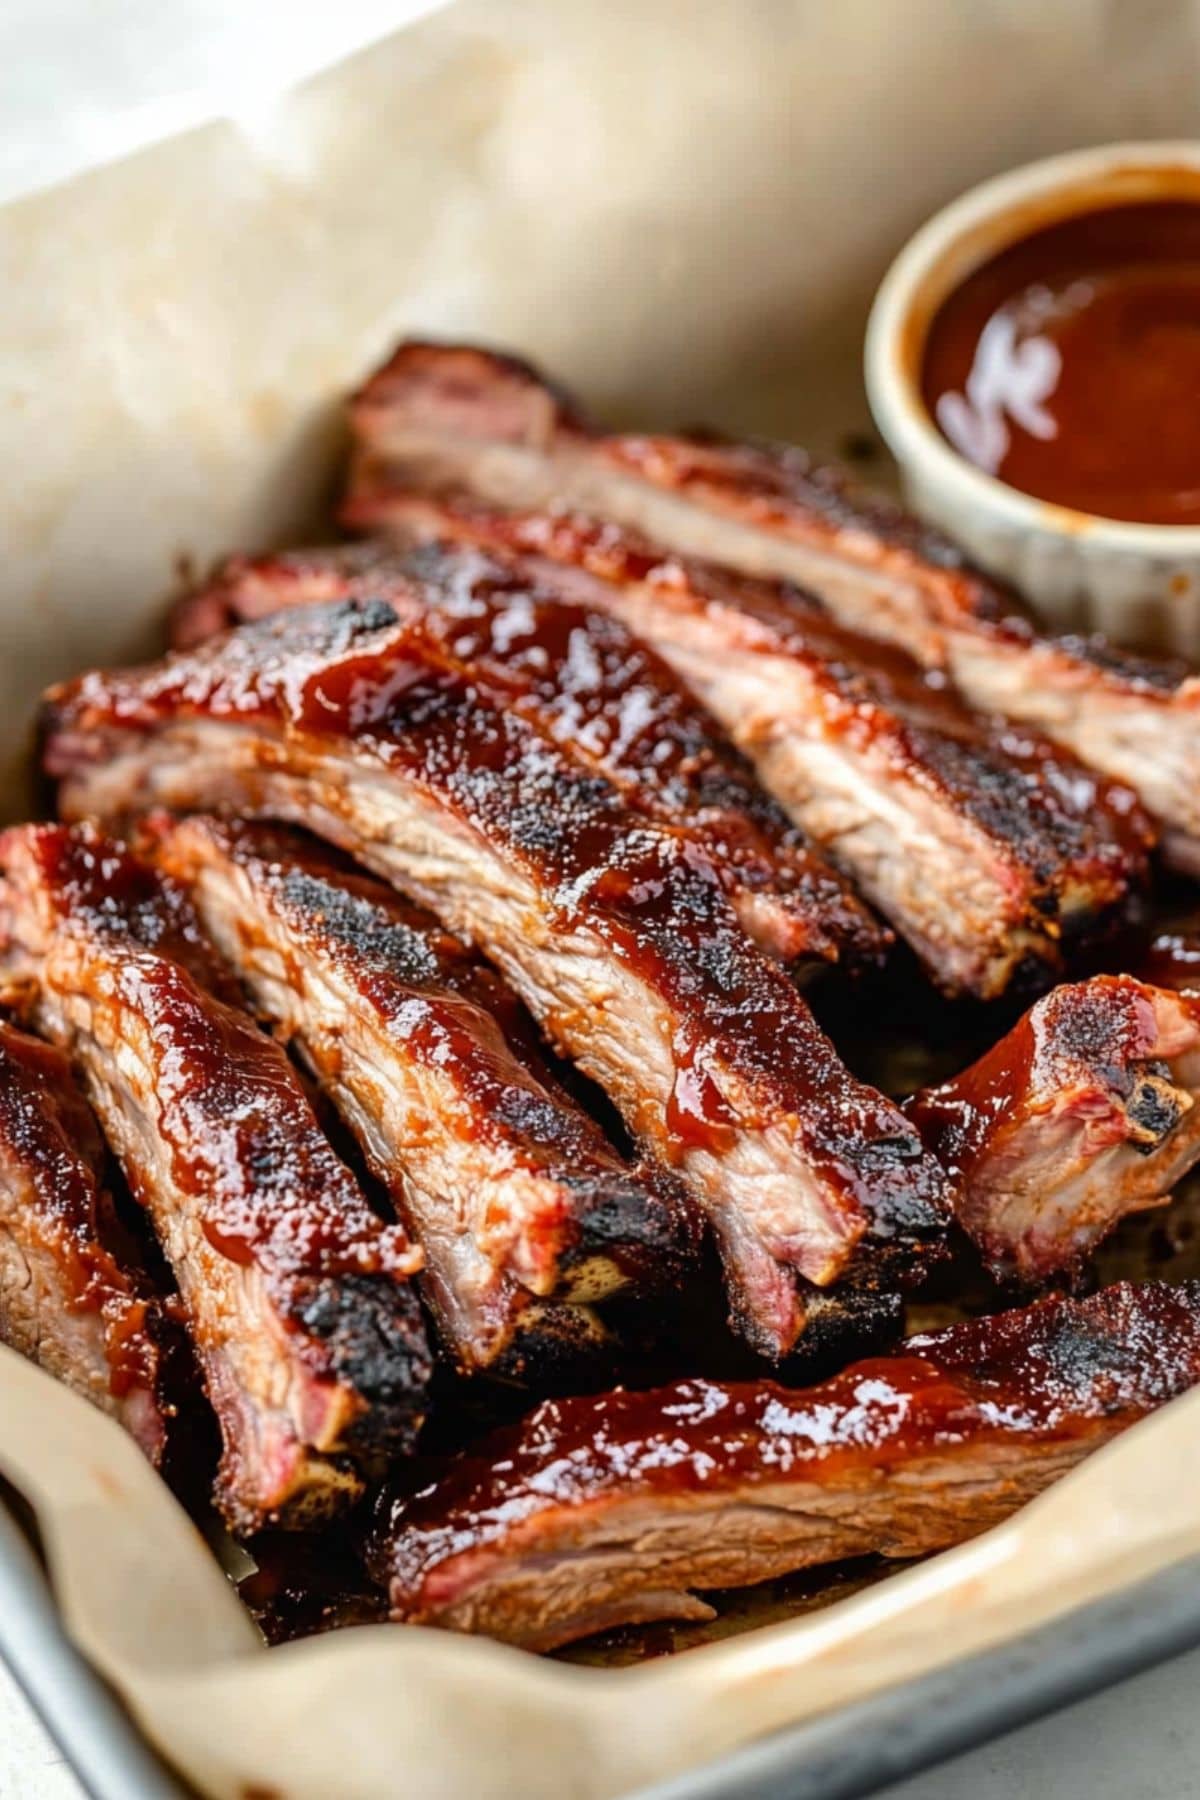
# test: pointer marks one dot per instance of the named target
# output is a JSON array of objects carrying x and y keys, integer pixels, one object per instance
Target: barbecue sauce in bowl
[{"x": 1069, "y": 364}]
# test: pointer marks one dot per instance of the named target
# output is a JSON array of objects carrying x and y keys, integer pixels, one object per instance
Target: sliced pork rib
[
  {"x": 616, "y": 1509},
  {"x": 983, "y": 846},
  {"x": 603, "y": 694},
  {"x": 72, "y": 1297},
  {"x": 452, "y": 416},
  {"x": 612, "y": 928},
  {"x": 1087, "y": 1110},
  {"x": 297, "y": 1296},
  {"x": 526, "y": 1216}
]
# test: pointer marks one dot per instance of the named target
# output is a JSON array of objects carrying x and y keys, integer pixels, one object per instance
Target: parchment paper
[
  {"x": 377, "y": 1710},
  {"x": 683, "y": 206},
  {"x": 683, "y": 209}
]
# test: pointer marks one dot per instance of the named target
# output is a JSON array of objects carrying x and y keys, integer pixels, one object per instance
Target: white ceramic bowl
[{"x": 1139, "y": 584}]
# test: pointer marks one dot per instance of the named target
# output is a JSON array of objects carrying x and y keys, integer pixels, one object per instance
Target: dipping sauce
[{"x": 1069, "y": 365}]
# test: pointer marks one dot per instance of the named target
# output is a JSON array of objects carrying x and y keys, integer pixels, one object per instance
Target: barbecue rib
[
  {"x": 296, "y": 1295},
  {"x": 1087, "y": 1110},
  {"x": 523, "y": 1211},
  {"x": 601, "y": 693},
  {"x": 613, "y": 929},
  {"x": 613, "y": 1510},
  {"x": 452, "y": 416},
  {"x": 71, "y": 1296},
  {"x": 984, "y": 847}
]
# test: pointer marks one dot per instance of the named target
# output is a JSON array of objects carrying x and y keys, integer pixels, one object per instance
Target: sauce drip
[{"x": 1069, "y": 365}]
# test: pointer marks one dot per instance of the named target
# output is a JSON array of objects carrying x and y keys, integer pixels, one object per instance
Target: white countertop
[
  {"x": 30, "y": 1766},
  {"x": 1140, "y": 1741}
]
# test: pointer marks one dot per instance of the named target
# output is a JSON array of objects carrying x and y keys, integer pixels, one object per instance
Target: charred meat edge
[
  {"x": 624, "y": 1508},
  {"x": 296, "y": 1295},
  {"x": 526, "y": 1216},
  {"x": 1085, "y": 1111},
  {"x": 600, "y": 692},
  {"x": 450, "y": 415},
  {"x": 612, "y": 929},
  {"x": 72, "y": 1297},
  {"x": 985, "y": 847}
]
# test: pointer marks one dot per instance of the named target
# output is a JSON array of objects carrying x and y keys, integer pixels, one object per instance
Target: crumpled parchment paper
[{"x": 372, "y": 1711}]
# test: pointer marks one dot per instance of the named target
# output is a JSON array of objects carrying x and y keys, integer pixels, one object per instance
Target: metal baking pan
[{"x": 843, "y": 1755}]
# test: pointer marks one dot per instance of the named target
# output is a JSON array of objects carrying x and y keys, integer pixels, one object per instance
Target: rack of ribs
[
  {"x": 297, "y": 1296},
  {"x": 986, "y": 847},
  {"x": 445, "y": 416},
  {"x": 73, "y": 1297},
  {"x": 624, "y": 1507},
  {"x": 612, "y": 928},
  {"x": 526, "y": 1216},
  {"x": 602, "y": 693}
]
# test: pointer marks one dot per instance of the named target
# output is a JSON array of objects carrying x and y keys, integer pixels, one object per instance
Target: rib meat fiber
[
  {"x": 72, "y": 1297},
  {"x": 1085, "y": 1111},
  {"x": 612, "y": 928},
  {"x": 601, "y": 693},
  {"x": 297, "y": 1297},
  {"x": 448, "y": 415},
  {"x": 526, "y": 1216},
  {"x": 624, "y": 1508},
  {"x": 986, "y": 847}
]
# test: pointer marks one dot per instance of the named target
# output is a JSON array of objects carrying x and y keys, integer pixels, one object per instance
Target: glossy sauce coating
[
  {"x": 49, "y": 1140},
  {"x": 297, "y": 1295},
  {"x": 601, "y": 693},
  {"x": 1084, "y": 1112},
  {"x": 1060, "y": 799},
  {"x": 1040, "y": 806},
  {"x": 462, "y": 397},
  {"x": 356, "y": 676},
  {"x": 1099, "y": 1031},
  {"x": 1069, "y": 365},
  {"x": 438, "y": 421},
  {"x": 241, "y": 1133},
  {"x": 367, "y": 692},
  {"x": 437, "y": 1006},
  {"x": 1053, "y": 1370}
]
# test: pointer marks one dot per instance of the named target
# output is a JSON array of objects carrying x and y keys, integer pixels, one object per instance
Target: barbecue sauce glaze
[
  {"x": 46, "y": 1127},
  {"x": 339, "y": 673},
  {"x": 1069, "y": 365},
  {"x": 238, "y": 1130},
  {"x": 1052, "y": 1371}
]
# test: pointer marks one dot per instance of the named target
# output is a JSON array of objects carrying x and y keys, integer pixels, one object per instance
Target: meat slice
[
  {"x": 72, "y": 1297},
  {"x": 456, "y": 416},
  {"x": 983, "y": 846},
  {"x": 1086, "y": 1110},
  {"x": 602, "y": 694},
  {"x": 526, "y": 1216},
  {"x": 616, "y": 1509},
  {"x": 613, "y": 929},
  {"x": 296, "y": 1295}
]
